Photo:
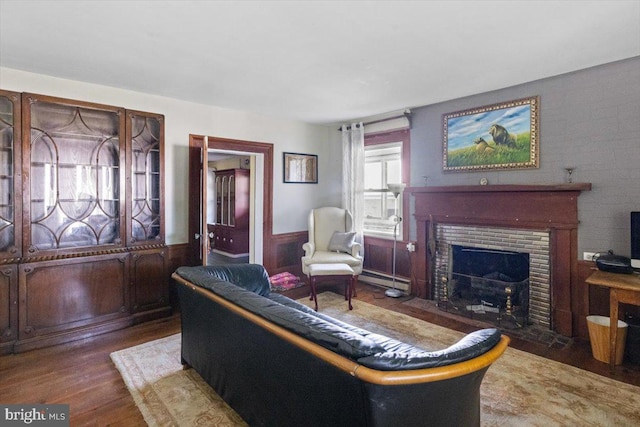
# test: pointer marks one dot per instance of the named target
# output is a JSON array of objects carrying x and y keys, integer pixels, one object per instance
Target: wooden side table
[{"x": 623, "y": 288}]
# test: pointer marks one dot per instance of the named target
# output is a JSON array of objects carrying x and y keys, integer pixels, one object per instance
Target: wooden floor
[{"x": 82, "y": 375}]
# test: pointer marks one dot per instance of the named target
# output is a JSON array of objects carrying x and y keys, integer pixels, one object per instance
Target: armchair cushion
[{"x": 342, "y": 242}]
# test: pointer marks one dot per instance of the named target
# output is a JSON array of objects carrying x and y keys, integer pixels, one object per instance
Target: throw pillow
[{"x": 342, "y": 242}]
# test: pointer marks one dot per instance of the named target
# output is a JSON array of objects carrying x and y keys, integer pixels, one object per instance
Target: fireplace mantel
[
  {"x": 526, "y": 206},
  {"x": 551, "y": 207},
  {"x": 514, "y": 188}
]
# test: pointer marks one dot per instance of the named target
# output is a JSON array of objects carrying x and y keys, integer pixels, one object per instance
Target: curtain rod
[{"x": 406, "y": 114}]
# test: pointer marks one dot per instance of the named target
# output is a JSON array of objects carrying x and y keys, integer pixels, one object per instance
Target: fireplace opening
[{"x": 488, "y": 284}]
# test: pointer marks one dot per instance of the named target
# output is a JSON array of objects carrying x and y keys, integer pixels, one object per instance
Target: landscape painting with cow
[{"x": 500, "y": 136}]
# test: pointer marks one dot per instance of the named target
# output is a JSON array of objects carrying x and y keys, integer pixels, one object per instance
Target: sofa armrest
[{"x": 402, "y": 356}]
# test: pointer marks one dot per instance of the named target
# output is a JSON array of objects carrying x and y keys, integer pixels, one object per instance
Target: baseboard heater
[{"x": 384, "y": 280}]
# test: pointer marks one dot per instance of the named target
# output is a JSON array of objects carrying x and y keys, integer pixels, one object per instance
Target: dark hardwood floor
[{"x": 82, "y": 375}]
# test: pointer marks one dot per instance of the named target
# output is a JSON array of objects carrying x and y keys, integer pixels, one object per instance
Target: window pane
[
  {"x": 391, "y": 205},
  {"x": 373, "y": 175},
  {"x": 383, "y": 165},
  {"x": 394, "y": 171},
  {"x": 372, "y": 204}
]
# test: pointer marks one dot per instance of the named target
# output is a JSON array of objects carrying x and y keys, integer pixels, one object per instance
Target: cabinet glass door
[
  {"x": 74, "y": 159},
  {"x": 219, "y": 193},
  {"x": 225, "y": 200},
  {"x": 9, "y": 162},
  {"x": 145, "y": 136},
  {"x": 232, "y": 200}
]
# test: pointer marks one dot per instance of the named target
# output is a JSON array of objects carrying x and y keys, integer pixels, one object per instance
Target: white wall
[{"x": 291, "y": 202}]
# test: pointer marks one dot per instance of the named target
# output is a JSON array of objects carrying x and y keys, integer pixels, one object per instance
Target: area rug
[{"x": 520, "y": 389}]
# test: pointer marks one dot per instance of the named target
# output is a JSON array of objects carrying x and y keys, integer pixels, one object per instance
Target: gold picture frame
[{"x": 498, "y": 136}]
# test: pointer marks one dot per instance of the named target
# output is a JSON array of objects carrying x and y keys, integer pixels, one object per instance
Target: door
[{"x": 204, "y": 186}]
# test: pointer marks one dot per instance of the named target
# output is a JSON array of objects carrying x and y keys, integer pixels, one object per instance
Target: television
[{"x": 635, "y": 239}]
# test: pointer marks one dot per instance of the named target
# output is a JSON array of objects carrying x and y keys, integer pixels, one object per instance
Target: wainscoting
[
  {"x": 378, "y": 261},
  {"x": 286, "y": 253}
]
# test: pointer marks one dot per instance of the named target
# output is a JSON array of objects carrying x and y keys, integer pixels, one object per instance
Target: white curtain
[{"x": 353, "y": 175}]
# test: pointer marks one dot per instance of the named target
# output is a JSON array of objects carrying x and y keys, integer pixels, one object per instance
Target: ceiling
[{"x": 316, "y": 61}]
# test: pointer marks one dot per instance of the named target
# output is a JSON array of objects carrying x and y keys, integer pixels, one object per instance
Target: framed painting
[
  {"x": 300, "y": 168},
  {"x": 499, "y": 136}
]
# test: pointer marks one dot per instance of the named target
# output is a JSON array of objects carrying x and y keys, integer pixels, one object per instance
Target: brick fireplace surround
[{"x": 548, "y": 208}]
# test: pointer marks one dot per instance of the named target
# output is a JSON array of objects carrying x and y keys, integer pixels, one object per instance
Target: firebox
[
  {"x": 495, "y": 274},
  {"x": 489, "y": 284}
]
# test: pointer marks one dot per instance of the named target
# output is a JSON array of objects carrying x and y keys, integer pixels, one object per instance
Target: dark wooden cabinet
[
  {"x": 72, "y": 153},
  {"x": 81, "y": 219},
  {"x": 10, "y": 182},
  {"x": 145, "y": 215},
  {"x": 149, "y": 285},
  {"x": 71, "y": 298},
  {"x": 231, "y": 234},
  {"x": 145, "y": 178},
  {"x": 8, "y": 307},
  {"x": 10, "y": 216}
]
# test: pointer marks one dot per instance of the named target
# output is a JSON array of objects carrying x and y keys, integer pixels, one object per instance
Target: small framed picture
[{"x": 300, "y": 168}]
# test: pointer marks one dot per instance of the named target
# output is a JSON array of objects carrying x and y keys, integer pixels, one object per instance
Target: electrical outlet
[
  {"x": 411, "y": 247},
  {"x": 588, "y": 256}
]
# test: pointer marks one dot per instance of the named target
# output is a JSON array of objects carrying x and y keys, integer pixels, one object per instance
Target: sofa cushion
[
  {"x": 341, "y": 340},
  {"x": 330, "y": 335},
  {"x": 301, "y": 307},
  {"x": 252, "y": 277},
  {"x": 369, "y": 349},
  {"x": 397, "y": 355}
]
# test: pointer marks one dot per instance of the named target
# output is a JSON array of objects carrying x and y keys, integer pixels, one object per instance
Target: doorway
[
  {"x": 233, "y": 207},
  {"x": 261, "y": 214}
]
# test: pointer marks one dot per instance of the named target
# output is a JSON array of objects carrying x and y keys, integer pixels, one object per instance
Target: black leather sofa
[{"x": 279, "y": 363}]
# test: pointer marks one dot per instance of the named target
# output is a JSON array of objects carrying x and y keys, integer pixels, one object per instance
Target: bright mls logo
[{"x": 34, "y": 415}]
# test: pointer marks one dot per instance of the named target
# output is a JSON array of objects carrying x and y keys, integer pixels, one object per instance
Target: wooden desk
[{"x": 623, "y": 288}]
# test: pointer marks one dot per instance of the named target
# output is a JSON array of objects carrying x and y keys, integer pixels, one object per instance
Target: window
[{"x": 383, "y": 165}]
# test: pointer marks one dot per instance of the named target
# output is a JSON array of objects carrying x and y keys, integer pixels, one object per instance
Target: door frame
[{"x": 196, "y": 142}]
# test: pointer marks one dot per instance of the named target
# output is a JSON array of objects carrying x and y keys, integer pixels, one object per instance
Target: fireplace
[
  {"x": 496, "y": 275},
  {"x": 539, "y": 220}
]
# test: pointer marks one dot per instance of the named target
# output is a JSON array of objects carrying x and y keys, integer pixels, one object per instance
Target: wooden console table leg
[{"x": 613, "y": 327}]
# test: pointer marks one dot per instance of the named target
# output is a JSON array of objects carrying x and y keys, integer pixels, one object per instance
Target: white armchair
[{"x": 323, "y": 223}]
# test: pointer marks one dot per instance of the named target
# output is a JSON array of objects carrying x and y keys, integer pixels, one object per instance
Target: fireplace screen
[{"x": 486, "y": 284}]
